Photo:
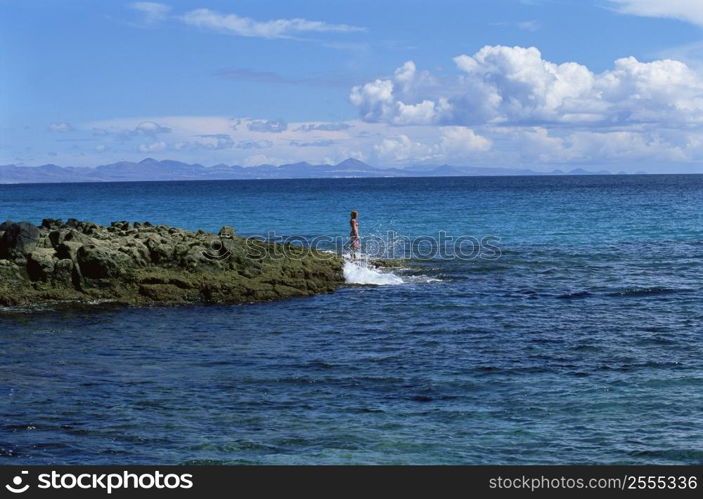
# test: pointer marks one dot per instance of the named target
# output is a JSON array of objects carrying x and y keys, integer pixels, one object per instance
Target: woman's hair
[{"x": 354, "y": 213}]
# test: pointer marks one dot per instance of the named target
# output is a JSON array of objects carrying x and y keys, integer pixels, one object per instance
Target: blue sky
[{"x": 607, "y": 84}]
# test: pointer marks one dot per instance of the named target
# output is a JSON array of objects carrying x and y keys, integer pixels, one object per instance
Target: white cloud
[
  {"x": 377, "y": 100},
  {"x": 153, "y": 147},
  {"x": 206, "y": 140},
  {"x": 515, "y": 85},
  {"x": 274, "y": 126},
  {"x": 455, "y": 143},
  {"x": 233, "y": 24},
  {"x": 685, "y": 10},
  {"x": 152, "y": 12},
  {"x": 60, "y": 127},
  {"x": 401, "y": 149},
  {"x": 213, "y": 142},
  {"x": 150, "y": 129},
  {"x": 116, "y": 129},
  {"x": 536, "y": 145}
]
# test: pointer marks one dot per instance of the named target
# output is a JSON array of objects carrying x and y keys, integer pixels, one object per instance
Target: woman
[{"x": 354, "y": 243}]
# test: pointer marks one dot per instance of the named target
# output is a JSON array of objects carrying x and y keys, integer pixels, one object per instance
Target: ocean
[{"x": 575, "y": 336}]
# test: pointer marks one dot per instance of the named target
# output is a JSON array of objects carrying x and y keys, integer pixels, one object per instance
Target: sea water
[{"x": 579, "y": 341}]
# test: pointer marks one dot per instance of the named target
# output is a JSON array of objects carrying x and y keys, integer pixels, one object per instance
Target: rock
[
  {"x": 59, "y": 236},
  {"x": 96, "y": 263},
  {"x": 159, "y": 251},
  {"x": 142, "y": 264},
  {"x": 6, "y": 224},
  {"x": 227, "y": 232},
  {"x": 123, "y": 225},
  {"x": 51, "y": 223},
  {"x": 68, "y": 249},
  {"x": 40, "y": 264},
  {"x": 18, "y": 239},
  {"x": 63, "y": 272}
]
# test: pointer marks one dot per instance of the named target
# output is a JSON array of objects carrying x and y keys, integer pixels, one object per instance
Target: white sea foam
[{"x": 358, "y": 272}]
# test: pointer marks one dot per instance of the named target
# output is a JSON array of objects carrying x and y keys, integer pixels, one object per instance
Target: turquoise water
[{"x": 581, "y": 343}]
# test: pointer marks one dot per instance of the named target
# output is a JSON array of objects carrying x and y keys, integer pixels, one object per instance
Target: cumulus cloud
[
  {"x": 402, "y": 149},
  {"x": 515, "y": 85},
  {"x": 152, "y": 12},
  {"x": 233, "y": 24},
  {"x": 410, "y": 97},
  {"x": 454, "y": 143},
  {"x": 685, "y": 10},
  {"x": 459, "y": 140},
  {"x": 60, "y": 127}
]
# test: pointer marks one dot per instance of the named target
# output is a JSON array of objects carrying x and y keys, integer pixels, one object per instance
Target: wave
[{"x": 358, "y": 272}]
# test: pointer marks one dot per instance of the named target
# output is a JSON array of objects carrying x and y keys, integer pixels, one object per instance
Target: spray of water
[{"x": 359, "y": 271}]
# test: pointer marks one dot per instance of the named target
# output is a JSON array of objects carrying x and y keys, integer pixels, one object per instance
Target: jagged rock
[
  {"x": 58, "y": 236},
  {"x": 40, "y": 264},
  {"x": 68, "y": 249},
  {"x": 226, "y": 231},
  {"x": 18, "y": 239},
  {"x": 63, "y": 272},
  {"x": 51, "y": 223},
  {"x": 159, "y": 250},
  {"x": 96, "y": 262},
  {"x": 123, "y": 225}
]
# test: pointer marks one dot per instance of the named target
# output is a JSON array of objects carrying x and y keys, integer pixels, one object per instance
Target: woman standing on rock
[{"x": 355, "y": 242}]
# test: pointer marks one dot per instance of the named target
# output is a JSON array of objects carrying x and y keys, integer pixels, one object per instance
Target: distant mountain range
[{"x": 151, "y": 169}]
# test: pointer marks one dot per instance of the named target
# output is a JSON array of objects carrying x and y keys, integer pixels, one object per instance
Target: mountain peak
[{"x": 351, "y": 163}]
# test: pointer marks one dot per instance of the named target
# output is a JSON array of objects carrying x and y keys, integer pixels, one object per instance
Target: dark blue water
[{"x": 582, "y": 343}]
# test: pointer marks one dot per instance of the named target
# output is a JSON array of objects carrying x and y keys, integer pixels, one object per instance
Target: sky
[{"x": 542, "y": 84}]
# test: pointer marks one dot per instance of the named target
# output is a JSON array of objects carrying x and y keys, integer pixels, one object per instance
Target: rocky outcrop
[{"x": 143, "y": 264}]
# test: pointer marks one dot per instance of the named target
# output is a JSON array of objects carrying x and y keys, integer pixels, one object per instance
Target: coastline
[{"x": 140, "y": 264}]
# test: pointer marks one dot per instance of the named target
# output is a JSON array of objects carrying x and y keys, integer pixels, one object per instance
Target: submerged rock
[{"x": 143, "y": 264}]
